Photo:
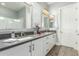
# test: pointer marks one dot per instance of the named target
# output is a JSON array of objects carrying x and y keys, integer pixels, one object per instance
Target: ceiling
[
  {"x": 49, "y": 3},
  {"x": 13, "y": 5},
  {"x": 57, "y": 4},
  {"x": 18, "y": 5}
]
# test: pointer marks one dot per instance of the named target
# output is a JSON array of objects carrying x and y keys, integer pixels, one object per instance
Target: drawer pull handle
[
  {"x": 30, "y": 49},
  {"x": 33, "y": 47}
]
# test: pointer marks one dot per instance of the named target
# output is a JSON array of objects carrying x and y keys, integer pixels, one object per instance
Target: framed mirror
[
  {"x": 13, "y": 15},
  {"x": 45, "y": 21}
]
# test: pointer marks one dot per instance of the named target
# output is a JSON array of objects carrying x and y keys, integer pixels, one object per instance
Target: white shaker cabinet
[
  {"x": 53, "y": 40},
  {"x": 21, "y": 50},
  {"x": 40, "y": 47},
  {"x": 43, "y": 45},
  {"x": 49, "y": 42},
  {"x": 37, "y": 47}
]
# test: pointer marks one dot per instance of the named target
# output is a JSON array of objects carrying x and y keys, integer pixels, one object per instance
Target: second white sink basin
[
  {"x": 25, "y": 38},
  {"x": 15, "y": 39},
  {"x": 9, "y": 40}
]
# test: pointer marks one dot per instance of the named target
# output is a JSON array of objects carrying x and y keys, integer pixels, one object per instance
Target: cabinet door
[
  {"x": 54, "y": 39},
  {"x": 37, "y": 47},
  {"x": 51, "y": 41},
  {"x": 47, "y": 45},
  {"x": 21, "y": 50}
]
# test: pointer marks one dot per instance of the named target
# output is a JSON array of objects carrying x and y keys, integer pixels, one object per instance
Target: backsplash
[
  {"x": 24, "y": 33},
  {"x": 18, "y": 33},
  {"x": 5, "y": 36}
]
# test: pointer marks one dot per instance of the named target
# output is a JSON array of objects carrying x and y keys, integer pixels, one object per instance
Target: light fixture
[
  {"x": 51, "y": 17},
  {"x": 45, "y": 12},
  {"x": 1, "y": 18},
  {"x": 3, "y": 4}
]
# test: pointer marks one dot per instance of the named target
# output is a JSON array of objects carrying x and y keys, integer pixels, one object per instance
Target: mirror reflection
[{"x": 12, "y": 15}]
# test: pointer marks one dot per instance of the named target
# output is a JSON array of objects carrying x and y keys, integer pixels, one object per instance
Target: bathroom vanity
[{"x": 35, "y": 45}]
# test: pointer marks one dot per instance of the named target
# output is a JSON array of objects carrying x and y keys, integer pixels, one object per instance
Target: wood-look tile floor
[{"x": 62, "y": 51}]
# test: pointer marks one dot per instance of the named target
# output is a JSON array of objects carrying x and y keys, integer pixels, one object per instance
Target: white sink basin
[
  {"x": 25, "y": 38},
  {"x": 9, "y": 40},
  {"x": 15, "y": 39}
]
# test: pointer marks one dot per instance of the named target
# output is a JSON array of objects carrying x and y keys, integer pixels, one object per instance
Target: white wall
[
  {"x": 57, "y": 12},
  {"x": 43, "y": 5}
]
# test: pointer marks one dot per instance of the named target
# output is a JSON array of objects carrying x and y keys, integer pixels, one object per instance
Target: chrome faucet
[
  {"x": 22, "y": 34},
  {"x": 12, "y": 35},
  {"x": 36, "y": 31}
]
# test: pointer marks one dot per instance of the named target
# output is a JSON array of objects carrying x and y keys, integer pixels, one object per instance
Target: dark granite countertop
[{"x": 4, "y": 46}]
